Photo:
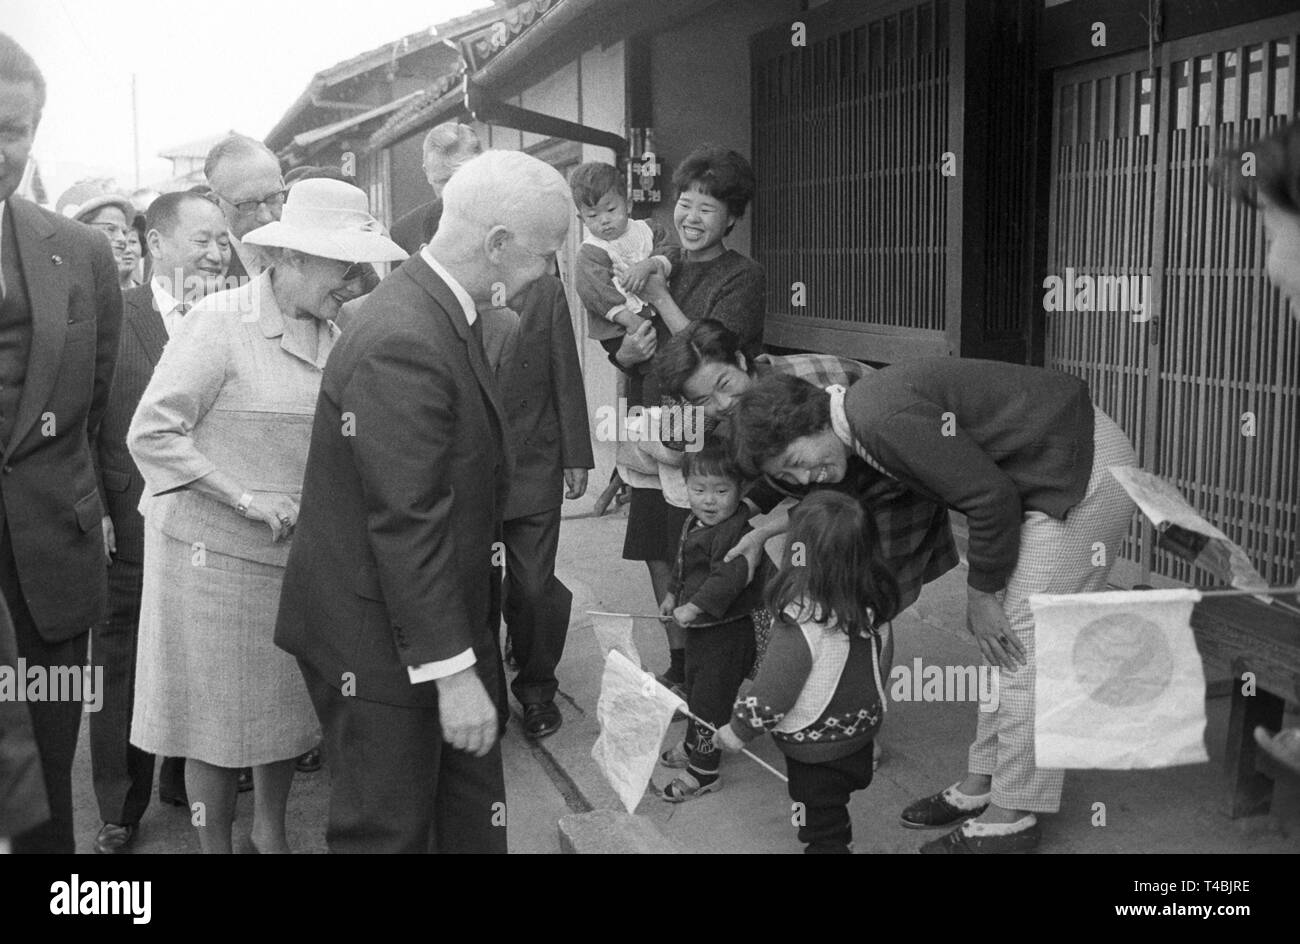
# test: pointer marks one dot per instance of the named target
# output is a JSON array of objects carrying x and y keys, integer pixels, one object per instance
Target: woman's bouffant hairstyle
[
  {"x": 774, "y": 412},
  {"x": 1276, "y": 165},
  {"x": 698, "y": 343},
  {"x": 832, "y": 564},
  {"x": 721, "y": 173}
]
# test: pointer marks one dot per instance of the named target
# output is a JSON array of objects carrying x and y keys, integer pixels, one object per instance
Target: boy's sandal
[
  {"x": 686, "y": 787},
  {"x": 676, "y": 757}
]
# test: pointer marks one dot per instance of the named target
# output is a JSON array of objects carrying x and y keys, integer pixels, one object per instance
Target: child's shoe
[
  {"x": 688, "y": 786},
  {"x": 677, "y": 756}
]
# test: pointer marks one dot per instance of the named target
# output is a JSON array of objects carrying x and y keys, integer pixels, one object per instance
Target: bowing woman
[{"x": 1023, "y": 453}]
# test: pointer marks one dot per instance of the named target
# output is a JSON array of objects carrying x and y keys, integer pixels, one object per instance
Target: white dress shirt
[
  {"x": 167, "y": 306},
  {"x": 429, "y": 671}
]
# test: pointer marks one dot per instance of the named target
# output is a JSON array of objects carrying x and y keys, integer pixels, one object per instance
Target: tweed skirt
[{"x": 210, "y": 683}]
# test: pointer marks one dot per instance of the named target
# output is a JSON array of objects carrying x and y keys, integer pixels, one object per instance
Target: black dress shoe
[
  {"x": 935, "y": 811},
  {"x": 172, "y": 798},
  {"x": 245, "y": 782},
  {"x": 309, "y": 763},
  {"x": 113, "y": 838},
  {"x": 959, "y": 842},
  {"x": 541, "y": 720}
]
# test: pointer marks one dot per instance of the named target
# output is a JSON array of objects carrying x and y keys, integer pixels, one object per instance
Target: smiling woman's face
[
  {"x": 701, "y": 221},
  {"x": 715, "y": 385},
  {"x": 816, "y": 459}
]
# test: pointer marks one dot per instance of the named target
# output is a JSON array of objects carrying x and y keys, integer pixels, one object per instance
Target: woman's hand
[
  {"x": 638, "y": 346},
  {"x": 634, "y": 277},
  {"x": 655, "y": 287},
  {"x": 725, "y": 739},
  {"x": 987, "y": 622},
  {"x": 279, "y": 512},
  {"x": 749, "y": 547}
]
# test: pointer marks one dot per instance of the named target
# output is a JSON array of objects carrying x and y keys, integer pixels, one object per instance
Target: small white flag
[
  {"x": 1119, "y": 684},
  {"x": 614, "y": 631},
  {"x": 634, "y": 712}
]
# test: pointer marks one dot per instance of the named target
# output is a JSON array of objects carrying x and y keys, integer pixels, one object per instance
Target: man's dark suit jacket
[
  {"x": 143, "y": 337},
  {"x": 545, "y": 402},
  {"x": 23, "y": 803},
  {"x": 417, "y": 227},
  {"x": 51, "y": 499},
  {"x": 404, "y": 488}
]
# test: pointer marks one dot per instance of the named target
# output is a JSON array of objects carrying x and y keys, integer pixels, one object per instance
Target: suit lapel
[
  {"x": 146, "y": 322},
  {"x": 46, "y": 275},
  {"x": 428, "y": 280}
]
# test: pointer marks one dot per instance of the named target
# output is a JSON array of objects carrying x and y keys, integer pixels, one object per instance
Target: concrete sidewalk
[{"x": 1172, "y": 810}]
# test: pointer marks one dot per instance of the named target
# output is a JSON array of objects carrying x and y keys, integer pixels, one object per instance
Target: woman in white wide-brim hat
[{"x": 221, "y": 437}]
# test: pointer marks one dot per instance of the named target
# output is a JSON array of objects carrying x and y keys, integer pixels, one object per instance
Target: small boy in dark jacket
[{"x": 713, "y": 601}]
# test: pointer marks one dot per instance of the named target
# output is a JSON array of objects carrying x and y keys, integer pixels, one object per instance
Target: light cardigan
[{"x": 234, "y": 391}]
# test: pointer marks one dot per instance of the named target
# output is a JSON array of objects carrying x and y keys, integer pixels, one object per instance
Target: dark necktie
[{"x": 476, "y": 329}]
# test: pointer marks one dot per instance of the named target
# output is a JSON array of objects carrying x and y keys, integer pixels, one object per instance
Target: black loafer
[
  {"x": 309, "y": 763},
  {"x": 114, "y": 838},
  {"x": 173, "y": 799},
  {"x": 935, "y": 812},
  {"x": 245, "y": 782},
  {"x": 541, "y": 720},
  {"x": 959, "y": 843}
]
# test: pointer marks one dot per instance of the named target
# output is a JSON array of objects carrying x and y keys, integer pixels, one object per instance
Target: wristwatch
[{"x": 245, "y": 500}]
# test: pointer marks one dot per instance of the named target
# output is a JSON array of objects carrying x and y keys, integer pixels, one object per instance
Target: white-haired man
[
  {"x": 446, "y": 148},
  {"x": 385, "y": 599},
  {"x": 245, "y": 178}
]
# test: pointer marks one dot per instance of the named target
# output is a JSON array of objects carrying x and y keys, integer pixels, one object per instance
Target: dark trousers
[
  {"x": 123, "y": 774},
  {"x": 536, "y": 604},
  {"x": 396, "y": 787},
  {"x": 717, "y": 660},
  {"x": 55, "y": 724},
  {"x": 824, "y": 791}
]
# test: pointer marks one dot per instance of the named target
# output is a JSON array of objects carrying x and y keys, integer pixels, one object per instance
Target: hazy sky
[{"x": 201, "y": 69}]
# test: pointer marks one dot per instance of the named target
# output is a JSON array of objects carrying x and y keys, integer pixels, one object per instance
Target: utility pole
[{"x": 135, "y": 128}]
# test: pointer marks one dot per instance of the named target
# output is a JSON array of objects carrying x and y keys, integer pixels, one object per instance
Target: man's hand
[
  {"x": 634, "y": 276},
  {"x": 637, "y": 347},
  {"x": 575, "y": 480},
  {"x": 110, "y": 538},
  {"x": 987, "y": 622},
  {"x": 666, "y": 608},
  {"x": 687, "y": 613},
  {"x": 466, "y": 713},
  {"x": 725, "y": 739}
]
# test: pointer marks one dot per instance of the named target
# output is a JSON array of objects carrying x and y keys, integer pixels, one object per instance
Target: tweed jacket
[{"x": 234, "y": 392}]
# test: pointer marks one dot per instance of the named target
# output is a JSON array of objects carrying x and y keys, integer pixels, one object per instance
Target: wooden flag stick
[
  {"x": 653, "y": 616},
  {"x": 754, "y": 757},
  {"x": 1262, "y": 592}
]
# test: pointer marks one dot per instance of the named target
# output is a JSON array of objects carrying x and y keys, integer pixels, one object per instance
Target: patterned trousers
[{"x": 1055, "y": 557}]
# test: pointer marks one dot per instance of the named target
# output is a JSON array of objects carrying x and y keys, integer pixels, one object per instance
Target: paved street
[{"x": 1174, "y": 810}]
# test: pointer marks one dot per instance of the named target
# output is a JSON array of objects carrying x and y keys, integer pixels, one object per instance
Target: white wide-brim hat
[{"x": 329, "y": 218}]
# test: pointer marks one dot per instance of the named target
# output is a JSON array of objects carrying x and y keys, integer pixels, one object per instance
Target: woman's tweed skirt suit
[{"x": 234, "y": 392}]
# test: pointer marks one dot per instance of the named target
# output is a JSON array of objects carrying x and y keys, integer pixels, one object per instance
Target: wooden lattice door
[{"x": 1205, "y": 379}]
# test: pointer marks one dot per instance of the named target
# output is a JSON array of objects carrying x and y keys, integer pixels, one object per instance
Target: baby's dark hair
[
  {"x": 713, "y": 458},
  {"x": 832, "y": 563},
  {"x": 591, "y": 181},
  {"x": 1275, "y": 160}
]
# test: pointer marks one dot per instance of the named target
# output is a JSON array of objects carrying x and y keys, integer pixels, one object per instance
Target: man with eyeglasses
[{"x": 245, "y": 179}]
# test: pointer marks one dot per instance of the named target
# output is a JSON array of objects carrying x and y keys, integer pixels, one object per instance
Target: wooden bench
[{"x": 1248, "y": 636}]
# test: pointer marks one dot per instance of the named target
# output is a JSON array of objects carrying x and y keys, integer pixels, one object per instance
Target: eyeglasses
[{"x": 272, "y": 201}]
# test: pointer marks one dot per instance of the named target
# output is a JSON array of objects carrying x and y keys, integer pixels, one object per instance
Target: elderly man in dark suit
[
  {"x": 60, "y": 314},
  {"x": 385, "y": 599},
  {"x": 546, "y": 410},
  {"x": 245, "y": 179},
  {"x": 186, "y": 234},
  {"x": 446, "y": 147}
]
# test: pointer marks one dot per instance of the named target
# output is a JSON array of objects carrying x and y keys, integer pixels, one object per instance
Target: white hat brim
[{"x": 343, "y": 245}]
